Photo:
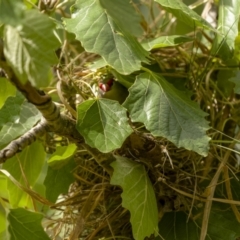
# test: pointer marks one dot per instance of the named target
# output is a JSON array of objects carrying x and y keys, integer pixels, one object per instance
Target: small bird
[{"x": 113, "y": 90}]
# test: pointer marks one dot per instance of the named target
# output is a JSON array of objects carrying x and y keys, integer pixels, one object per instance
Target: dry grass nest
[{"x": 92, "y": 209}]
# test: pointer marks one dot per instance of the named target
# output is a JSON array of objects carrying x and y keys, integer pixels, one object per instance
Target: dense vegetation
[{"x": 153, "y": 157}]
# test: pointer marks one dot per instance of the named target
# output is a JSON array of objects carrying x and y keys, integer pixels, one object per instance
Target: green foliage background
[{"x": 183, "y": 82}]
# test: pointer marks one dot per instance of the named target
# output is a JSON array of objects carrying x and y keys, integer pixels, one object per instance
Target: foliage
[
  {"x": 138, "y": 196},
  {"x": 161, "y": 165}
]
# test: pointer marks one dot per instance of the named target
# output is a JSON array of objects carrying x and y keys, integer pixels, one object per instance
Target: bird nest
[{"x": 92, "y": 209}]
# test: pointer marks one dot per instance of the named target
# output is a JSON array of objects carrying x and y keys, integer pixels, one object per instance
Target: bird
[{"x": 113, "y": 90}]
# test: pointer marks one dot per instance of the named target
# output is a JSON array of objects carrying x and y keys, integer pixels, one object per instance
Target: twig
[
  {"x": 19, "y": 144},
  {"x": 52, "y": 120}
]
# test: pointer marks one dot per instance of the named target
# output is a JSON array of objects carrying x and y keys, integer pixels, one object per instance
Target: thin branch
[
  {"x": 26, "y": 139},
  {"x": 52, "y": 120}
]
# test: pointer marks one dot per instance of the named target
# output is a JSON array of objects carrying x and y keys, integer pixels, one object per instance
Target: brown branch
[
  {"x": 53, "y": 120},
  {"x": 26, "y": 139}
]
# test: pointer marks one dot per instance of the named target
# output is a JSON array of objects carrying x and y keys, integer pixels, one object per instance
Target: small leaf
[
  {"x": 168, "y": 112},
  {"x": 29, "y": 48},
  {"x": 101, "y": 33},
  {"x": 17, "y": 116},
  {"x": 63, "y": 153},
  {"x": 24, "y": 225},
  {"x": 32, "y": 159},
  {"x": 11, "y": 11},
  {"x": 6, "y": 90},
  {"x": 58, "y": 179},
  {"x": 228, "y": 17},
  {"x": 103, "y": 123},
  {"x": 165, "y": 41},
  {"x": 138, "y": 196},
  {"x": 184, "y": 13}
]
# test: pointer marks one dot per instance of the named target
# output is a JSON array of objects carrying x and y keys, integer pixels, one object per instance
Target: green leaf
[
  {"x": 101, "y": 33},
  {"x": 124, "y": 14},
  {"x": 98, "y": 63},
  {"x": 30, "y": 3},
  {"x": 58, "y": 179},
  {"x": 32, "y": 159},
  {"x": 11, "y": 109},
  {"x": 6, "y": 90},
  {"x": 168, "y": 112},
  {"x": 138, "y": 196},
  {"x": 165, "y": 41},
  {"x": 125, "y": 80},
  {"x": 29, "y": 48},
  {"x": 103, "y": 123},
  {"x": 3, "y": 222},
  {"x": 222, "y": 225},
  {"x": 17, "y": 116},
  {"x": 11, "y": 11},
  {"x": 228, "y": 17},
  {"x": 63, "y": 153},
  {"x": 236, "y": 80},
  {"x": 59, "y": 174},
  {"x": 223, "y": 78},
  {"x": 175, "y": 225},
  {"x": 26, "y": 225},
  {"x": 184, "y": 13},
  {"x": 3, "y": 184}
]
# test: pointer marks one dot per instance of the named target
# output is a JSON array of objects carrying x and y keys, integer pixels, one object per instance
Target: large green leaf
[
  {"x": 26, "y": 225},
  {"x": 228, "y": 17},
  {"x": 138, "y": 196},
  {"x": 6, "y": 90},
  {"x": 32, "y": 160},
  {"x": 101, "y": 33},
  {"x": 165, "y": 41},
  {"x": 168, "y": 112},
  {"x": 58, "y": 179},
  {"x": 17, "y": 116},
  {"x": 11, "y": 11},
  {"x": 184, "y": 13},
  {"x": 30, "y": 48},
  {"x": 103, "y": 123}
]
